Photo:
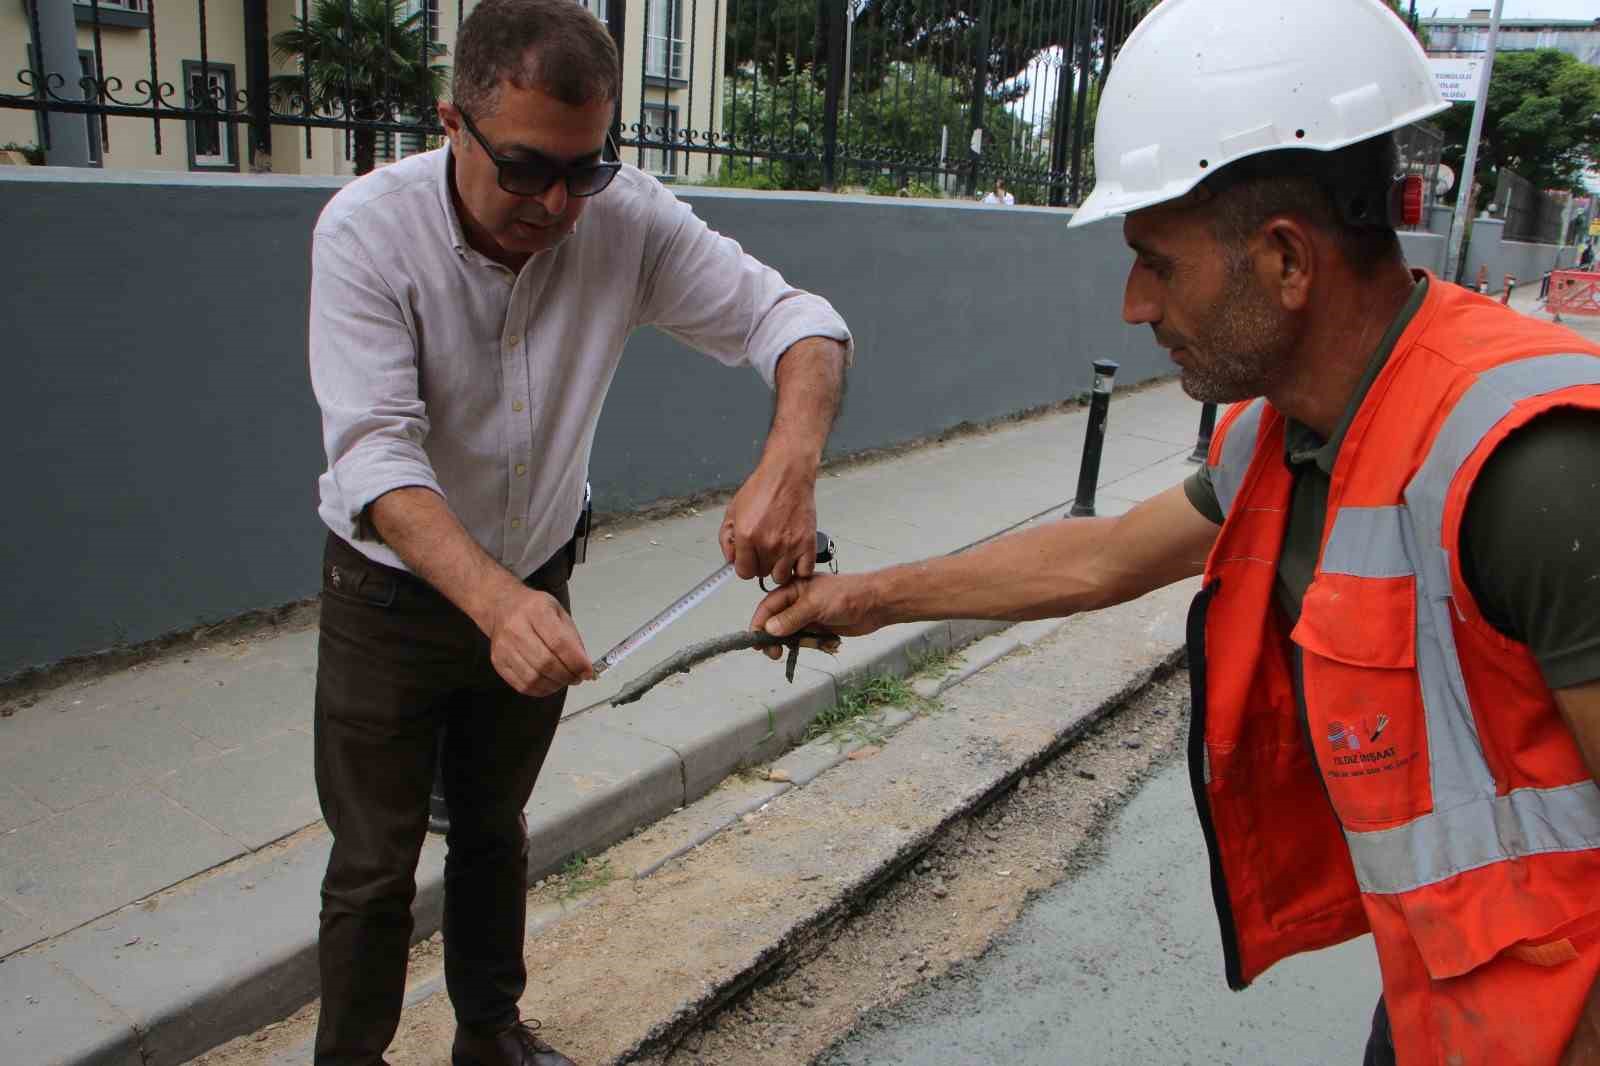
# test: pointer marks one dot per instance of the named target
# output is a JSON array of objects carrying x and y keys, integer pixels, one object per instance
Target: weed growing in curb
[
  {"x": 857, "y": 715},
  {"x": 582, "y": 874},
  {"x": 934, "y": 662}
]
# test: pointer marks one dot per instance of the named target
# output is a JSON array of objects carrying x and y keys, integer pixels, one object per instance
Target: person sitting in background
[{"x": 999, "y": 195}]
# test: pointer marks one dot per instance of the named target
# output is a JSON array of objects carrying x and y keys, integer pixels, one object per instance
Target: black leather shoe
[{"x": 515, "y": 1046}]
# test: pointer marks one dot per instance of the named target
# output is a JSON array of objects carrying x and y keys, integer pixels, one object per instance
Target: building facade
[
  {"x": 1465, "y": 37},
  {"x": 198, "y": 52}
]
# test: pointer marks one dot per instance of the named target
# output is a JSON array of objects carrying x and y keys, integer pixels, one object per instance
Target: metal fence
[
  {"x": 925, "y": 97},
  {"x": 919, "y": 97},
  {"x": 899, "y": 97},
  {"x": 1529, "y": 214}
]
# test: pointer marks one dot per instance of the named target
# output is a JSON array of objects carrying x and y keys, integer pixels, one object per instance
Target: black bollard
[
  {"x": 1105, "y": 372},
  {"x": 438, "y": 813},
  {"x": 1208, "y": 426}
]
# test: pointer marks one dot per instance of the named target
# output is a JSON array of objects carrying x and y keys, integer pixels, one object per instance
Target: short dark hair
[
  {"x": 557, "y": 46},
  {"x": 1345, "y": 192}
]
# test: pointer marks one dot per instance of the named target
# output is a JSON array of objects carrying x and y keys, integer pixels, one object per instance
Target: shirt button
[
  {"x": 521, "y": 469},
  {"x": 516, "y": 523},
  {"x": 516, "y": 405},
  {"x": 512, "y": 341}
]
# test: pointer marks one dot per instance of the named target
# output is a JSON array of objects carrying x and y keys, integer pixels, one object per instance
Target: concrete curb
[{"x": 159, "y": 982}]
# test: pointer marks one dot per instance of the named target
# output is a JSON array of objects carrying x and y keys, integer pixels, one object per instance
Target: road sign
[{"x": 1457, "y": 79}]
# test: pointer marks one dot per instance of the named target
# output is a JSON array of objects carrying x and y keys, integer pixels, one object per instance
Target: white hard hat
[{"x": 1200, "y": 84}]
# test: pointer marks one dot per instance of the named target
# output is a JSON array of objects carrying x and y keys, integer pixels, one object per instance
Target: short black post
[
  {"x": 1105, "y": 372},
  {"x": 1208, "y": 426},
  {"x": 438, "y": 813}
]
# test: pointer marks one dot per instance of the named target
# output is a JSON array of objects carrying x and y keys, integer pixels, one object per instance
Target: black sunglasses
[{"x": 534, "y": 174}]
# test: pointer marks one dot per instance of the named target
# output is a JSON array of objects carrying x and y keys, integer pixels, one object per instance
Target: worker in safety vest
[{"x": 1396, "y": 652}]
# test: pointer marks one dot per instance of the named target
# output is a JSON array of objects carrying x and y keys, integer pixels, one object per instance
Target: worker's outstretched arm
[{"x": 1048, "y": 571}]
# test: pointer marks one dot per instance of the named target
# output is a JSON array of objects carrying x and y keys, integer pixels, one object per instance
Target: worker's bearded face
[{"x": 1237, "y": 346}]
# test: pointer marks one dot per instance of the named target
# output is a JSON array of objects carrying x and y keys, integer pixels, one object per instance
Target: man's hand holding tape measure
[{"x": 769, "y": 528}]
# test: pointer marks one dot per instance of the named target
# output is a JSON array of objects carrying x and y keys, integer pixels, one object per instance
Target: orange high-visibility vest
[{"x": 1464, "y": 827}]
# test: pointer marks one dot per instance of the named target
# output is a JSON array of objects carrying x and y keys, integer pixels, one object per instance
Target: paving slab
[
  {"x": 48, "y": 1018},
  {"x": 256, "y": 794},
  {"x": 213, "y": 958},
  {"x": 17, "y": 809},
  {"x": 88, "y": 757},
  {"x": 277, "y": 692},
  {"x": 73, "y": 867},
  {"x": 1151, "y": 480},
  {"x": 18, "y": 930}
]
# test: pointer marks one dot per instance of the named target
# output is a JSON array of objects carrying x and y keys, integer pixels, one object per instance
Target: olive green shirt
[{"x": 1530, "y": 540}]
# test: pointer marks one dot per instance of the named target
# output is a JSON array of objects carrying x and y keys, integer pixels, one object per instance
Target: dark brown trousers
[{"x": 396, "y": 661}]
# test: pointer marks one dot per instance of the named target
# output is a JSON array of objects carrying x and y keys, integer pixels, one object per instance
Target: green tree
[
  {"x": 894, "y": 124},
  {"x": 363, "y": 59},
  {"x": 1542, "y": 120},
  {"x": 780, "y": 36}
]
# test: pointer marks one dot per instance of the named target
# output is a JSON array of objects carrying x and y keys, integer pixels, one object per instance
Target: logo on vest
[{"x": 1356, "y": 748}]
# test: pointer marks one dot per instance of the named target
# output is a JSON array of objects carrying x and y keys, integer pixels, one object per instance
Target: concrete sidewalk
[{"x": 160, "y": 842}]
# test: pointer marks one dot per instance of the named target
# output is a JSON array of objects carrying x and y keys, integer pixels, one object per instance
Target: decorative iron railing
[{"x": 908, "y": 97}]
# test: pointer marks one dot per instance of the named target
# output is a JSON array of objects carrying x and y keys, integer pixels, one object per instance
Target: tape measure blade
[{"x": 677, "y": 609}]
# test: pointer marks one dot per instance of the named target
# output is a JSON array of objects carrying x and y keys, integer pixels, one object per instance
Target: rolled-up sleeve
[
  {"x": 702, "y": 288},
  {"x": 364, "y": 374}
]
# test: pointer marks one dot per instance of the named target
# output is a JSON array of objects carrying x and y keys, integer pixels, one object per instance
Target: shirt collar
[
  {"x": 447, "y": 203},
  {"x": 446, "y": 172},
  {"x": 1302, "y": 444}
]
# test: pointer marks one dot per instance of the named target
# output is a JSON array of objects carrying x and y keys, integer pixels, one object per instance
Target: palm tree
[{"x": 366, "y": 60}]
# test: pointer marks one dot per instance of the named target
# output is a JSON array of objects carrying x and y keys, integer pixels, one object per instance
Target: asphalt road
[{"x": 1123, "y": 965}]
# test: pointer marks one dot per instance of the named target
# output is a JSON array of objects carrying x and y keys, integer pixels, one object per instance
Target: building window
[
  {"x": 134, "y": 14},
  {"x": 91, "y": 122},
  {"x": 662, "y": 125},
  {"x": 213, "y": 142},
  {"x": 663, "y": 40},
  {"x": 429, "y": 9},
  {"x": 393, "y": 147}
]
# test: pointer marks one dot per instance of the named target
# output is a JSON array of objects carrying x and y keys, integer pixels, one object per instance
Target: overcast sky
[{"x": 1514, "y": 9}]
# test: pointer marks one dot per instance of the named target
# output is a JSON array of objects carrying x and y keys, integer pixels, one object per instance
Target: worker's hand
[
  {"x": 834, "y": 604},
  {"x": 534, "y": 645},
  {"x": 770, "y": 528}
]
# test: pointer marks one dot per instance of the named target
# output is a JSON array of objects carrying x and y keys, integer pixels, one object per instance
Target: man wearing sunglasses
[{"x": 469, "y": 307}]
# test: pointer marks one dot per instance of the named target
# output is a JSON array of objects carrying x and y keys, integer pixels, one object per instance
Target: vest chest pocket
[{"x": 1358, "y": 638}]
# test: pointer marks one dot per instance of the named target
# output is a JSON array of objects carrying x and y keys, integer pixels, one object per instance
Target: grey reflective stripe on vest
[
  {"x": 1429, "y": 849},
  {"x": 1238, "y": 448},
  {"x": 1470, "y": 826},
  {"x": 1368, "y": 542}
]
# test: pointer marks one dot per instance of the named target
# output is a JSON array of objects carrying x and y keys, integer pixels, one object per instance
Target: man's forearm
[
  {"x": 1052, "y": 570},
  {"x": 420, "y": 528},
  {"x": 810, "y": 382},
  {"x": 1020, "y": 577}
]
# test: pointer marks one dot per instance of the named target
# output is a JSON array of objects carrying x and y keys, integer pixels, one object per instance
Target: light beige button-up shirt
[{"x": 435, "y": 366}]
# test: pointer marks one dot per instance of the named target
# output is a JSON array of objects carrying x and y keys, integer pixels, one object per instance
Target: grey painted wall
[
  {"x": 1423, "y": 249},
  {"x": 1527, "y": 261},
  {"x": 164, "y": 440}
]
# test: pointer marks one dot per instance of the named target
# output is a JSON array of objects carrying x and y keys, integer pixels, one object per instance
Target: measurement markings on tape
[{"x": 681, "y": 606}]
